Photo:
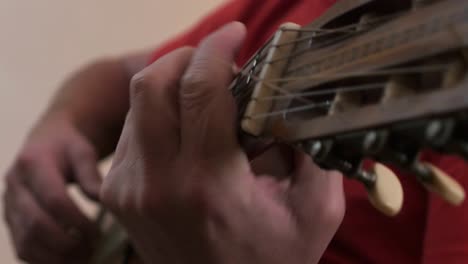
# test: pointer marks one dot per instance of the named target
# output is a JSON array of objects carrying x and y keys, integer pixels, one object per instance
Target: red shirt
[{"x": 428, "y": 230}]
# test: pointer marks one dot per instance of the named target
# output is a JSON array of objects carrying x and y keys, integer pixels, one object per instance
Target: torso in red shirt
[{"x": 426, "y": 231}]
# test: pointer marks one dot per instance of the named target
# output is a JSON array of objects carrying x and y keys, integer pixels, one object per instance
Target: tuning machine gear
[
  {"x": 383, "y": 186},
  {"x": 403, "y": 149}
]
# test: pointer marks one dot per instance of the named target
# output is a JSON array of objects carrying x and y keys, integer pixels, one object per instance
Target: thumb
[
  {"x": 317, "y": 200},
  {"x": 207, "y": 108},
  {"x": 83, "y": 161},
  {"x": 317, "y": 195}
]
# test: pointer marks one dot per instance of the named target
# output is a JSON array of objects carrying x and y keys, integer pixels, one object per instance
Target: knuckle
[
  {"x": 140, "y": 85},
  {"x": 197, "y": 89},
  {"x": 26, "y": 161},
  {"x": 28, "y": 157},
  {"x": 196, "y": 76}
]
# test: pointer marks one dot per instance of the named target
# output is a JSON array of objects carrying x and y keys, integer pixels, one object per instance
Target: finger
[
  {"x": 32, "y": 228},
  {"x": 155, "y": 111},
  {"x": 316, "y": 194},
  {"x": 83, "y": 161},
  {"x": 208, "y": 112},
  {"x": 46, "y": 183}
]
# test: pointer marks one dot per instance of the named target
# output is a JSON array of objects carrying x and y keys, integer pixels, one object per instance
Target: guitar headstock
[{"x": 368, "y": 80}]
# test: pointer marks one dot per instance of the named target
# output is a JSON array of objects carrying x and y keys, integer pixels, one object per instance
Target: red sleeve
[
  {"x": 446, "y": 239},
  {"x": 231, "y": 11}
]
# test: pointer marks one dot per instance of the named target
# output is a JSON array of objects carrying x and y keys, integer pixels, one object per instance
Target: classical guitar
[{"x": 376, "y": 80}]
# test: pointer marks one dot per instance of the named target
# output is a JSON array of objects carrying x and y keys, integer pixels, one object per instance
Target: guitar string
[
  {"x": 406, "y": 70},
  {"x": 323, "y": 32},
  {"x": 371, "y": 21},
  {"x": 268, "y": 82},
  {"x": 278, "y": 89},
  {"x": 352, "y": 88},
  {"x": 403, "y": 70},
  {"x": 313, "y": 105},
  {"x": 291, "y": 110},
  {"x": 351, "y": 28},
  {"x": 311, "y": 48},
  {"x": 310, "y": 38},
  {"x": 263, "y": 52}
]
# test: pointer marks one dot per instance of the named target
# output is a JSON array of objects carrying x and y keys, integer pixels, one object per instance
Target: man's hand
[
  {"x": 183, "y": 187},
  {"x": 45, "y": 224}
]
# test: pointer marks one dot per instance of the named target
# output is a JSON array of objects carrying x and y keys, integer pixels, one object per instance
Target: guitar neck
[{"x": 374, "y": 80}]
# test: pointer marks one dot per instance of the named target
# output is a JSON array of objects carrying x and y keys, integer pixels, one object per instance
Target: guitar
[{"x": 368, "y": 80}]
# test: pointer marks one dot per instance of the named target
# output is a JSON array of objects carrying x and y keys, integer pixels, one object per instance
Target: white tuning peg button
[
  {"x": 444, "y": 185},
  {"x": 386, "y": 194}
]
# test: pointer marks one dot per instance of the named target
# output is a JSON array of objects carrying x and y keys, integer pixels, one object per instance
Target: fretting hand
[{"x": 183, "y": 187}]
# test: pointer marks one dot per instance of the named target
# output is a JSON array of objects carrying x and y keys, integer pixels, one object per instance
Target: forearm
[{"x": 95, "y": 98}]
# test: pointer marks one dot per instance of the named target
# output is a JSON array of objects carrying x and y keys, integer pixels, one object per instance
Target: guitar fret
[{"x": 384, "y": 43}]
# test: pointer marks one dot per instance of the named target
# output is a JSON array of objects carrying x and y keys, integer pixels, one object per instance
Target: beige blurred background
[{"x": 42, "y": 41}]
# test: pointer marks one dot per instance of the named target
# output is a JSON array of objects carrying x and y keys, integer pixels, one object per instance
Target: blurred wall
[{"x": 42, "y": 41}]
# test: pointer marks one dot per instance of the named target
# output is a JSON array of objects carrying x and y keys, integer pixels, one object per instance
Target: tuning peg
[
  {"x": 383, "y": 186},
  {"x": 439, "y": 182},
  {"x": 384, "y": 190}
]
